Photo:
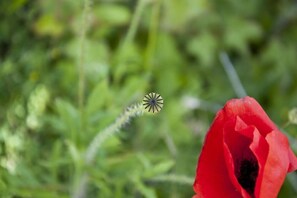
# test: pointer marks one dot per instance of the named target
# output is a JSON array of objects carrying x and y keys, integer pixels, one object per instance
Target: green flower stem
[
  {"x": 80, "y": 191},
  {"x": 134, "y": 23},
  {"x": 153, "y": 34},
  {"x": 81, "y": 61},
  {"x": 232, "y": 75},
  {"x": 100, "y": 138}
]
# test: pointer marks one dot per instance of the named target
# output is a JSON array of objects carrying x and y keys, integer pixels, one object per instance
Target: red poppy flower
[{"x": 244, "y": 154}]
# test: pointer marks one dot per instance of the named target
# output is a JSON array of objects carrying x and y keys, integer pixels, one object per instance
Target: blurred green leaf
[
  {"x": 174, "y": 52},
  {"x": 112, "y": 14},
  {"x": 48, "y": 25},
  {"x": 204, "y": 47},
  {"x": 101, "y": 96},
  {"x": 158, "y": 169},
  {"x": 144, "y": 190},
  {"x": 69, "y": 118},
  {"x": 239, "y": 32}
]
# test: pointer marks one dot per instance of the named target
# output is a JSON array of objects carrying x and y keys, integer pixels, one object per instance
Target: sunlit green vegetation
[{"x": 69, "y": 68}]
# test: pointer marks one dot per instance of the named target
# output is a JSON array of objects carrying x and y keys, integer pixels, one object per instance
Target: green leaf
[
  {"x": 95, "y": 56},
  {"x": 144, "y": 190},
  {"x": 112, "y": 14},
  {"x": 69, "y": 117},
  {"x": 100, "y": 96},
  {"x": 239, "y": 32},
  {"x": 127, "y": 61},
  {"x": 48, "y": 25},
  {"x": 158, "y": 169},
  {"x": 204, "y": 47}
]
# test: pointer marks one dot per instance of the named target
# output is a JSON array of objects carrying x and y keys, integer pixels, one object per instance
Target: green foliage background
[{"x": 120, "y": 50}]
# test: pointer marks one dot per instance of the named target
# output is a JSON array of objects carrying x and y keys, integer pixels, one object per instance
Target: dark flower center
[
  {"x": 153, "y": 102},
  {"x": 247, "y": 175}
]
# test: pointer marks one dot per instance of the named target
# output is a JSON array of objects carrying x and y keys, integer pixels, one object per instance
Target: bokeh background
[{"x": 69, "y": 68}]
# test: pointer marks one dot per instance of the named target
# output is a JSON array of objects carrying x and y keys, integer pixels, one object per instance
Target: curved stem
[{"x": 100, "y": 138}]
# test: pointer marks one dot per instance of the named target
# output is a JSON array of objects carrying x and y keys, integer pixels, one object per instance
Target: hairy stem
[{"x": 100, "y": 138}]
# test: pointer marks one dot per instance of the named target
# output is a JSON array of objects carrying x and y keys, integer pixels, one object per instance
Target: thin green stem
[
  {"x": 100, "y": 138},
  {"x": 81, "y": 77},
  {"x": 134, "y": 23},
  {"x": 152, "y": 38},
  {"x": 232, "y": 75},
  {"x": 129, "y": 37},
  {"x": 81, "y": 64}
]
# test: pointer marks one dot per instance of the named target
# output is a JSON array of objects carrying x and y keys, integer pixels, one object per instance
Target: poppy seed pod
[{"x": 153, "y": 102}]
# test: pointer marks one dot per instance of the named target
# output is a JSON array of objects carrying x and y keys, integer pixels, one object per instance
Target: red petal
[
  {"x": 231, "y": 171},
  {"x": 276, "y": 166},
  {"x": 237, "y": 145},
  {"x": 260, "y": 148},
  {"x": 249, "y": 110},
  {"x": 293, "y": 161},
  {"x": 212, "y": 179}
]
